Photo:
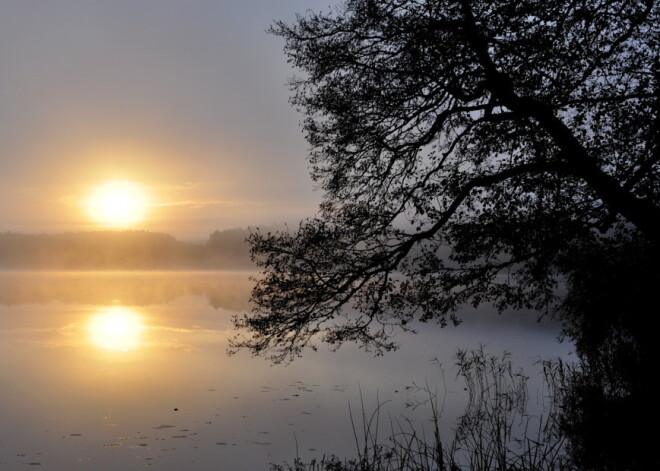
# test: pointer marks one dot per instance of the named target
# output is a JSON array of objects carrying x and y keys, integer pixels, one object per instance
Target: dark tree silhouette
[{"x": 467, "y": 151}]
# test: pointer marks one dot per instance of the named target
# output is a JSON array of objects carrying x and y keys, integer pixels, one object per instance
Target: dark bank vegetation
[
  {"x": 496, "y": 431},
  {"x": 123, "y": 250}
]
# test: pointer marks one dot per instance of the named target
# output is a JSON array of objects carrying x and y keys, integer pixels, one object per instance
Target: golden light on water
[
  {"x": 117, "y": 204},
  {"x": 116, "y": 328}
]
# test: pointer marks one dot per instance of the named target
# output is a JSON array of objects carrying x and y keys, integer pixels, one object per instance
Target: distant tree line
[
  {"x": 227, "y": 290},
  {"x": 123, "y": 250}
]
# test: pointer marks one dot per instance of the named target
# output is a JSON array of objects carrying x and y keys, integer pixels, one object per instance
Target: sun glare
[
  {"x": 116, "y": 328},
  {"x": 117, "y": 204}
]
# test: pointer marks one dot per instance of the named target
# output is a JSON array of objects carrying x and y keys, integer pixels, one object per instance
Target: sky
[{"x": 186, "y": 99}]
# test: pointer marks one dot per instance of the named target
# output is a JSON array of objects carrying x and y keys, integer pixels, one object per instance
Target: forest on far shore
[{"x": 123, "y": 250}]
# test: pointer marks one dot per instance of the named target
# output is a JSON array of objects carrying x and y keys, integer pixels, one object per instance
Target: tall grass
[{"x": 495, "y": 432}]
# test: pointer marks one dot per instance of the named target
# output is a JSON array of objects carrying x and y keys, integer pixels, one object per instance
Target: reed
[{"x": 495, "y": 432}]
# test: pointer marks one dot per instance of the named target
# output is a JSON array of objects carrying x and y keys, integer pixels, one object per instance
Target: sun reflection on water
[{"x": 116, "y": 328}]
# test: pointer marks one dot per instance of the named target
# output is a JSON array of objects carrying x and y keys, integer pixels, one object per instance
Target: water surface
[{"x": 110, "y": 371}]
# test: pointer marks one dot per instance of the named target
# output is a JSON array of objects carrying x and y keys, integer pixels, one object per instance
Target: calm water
[{"x": 115, "y": 371}]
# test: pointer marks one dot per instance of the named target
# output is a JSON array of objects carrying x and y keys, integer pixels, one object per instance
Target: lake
[{"x": 110, "y": 371}]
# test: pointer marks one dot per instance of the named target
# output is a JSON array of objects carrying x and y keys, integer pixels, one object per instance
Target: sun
[
  {"x": 117, "y": 204},
  {"x": 116, "y": 328}
]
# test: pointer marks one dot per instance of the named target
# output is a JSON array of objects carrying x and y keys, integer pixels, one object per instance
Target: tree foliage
[{"x": 467, "y": 150}]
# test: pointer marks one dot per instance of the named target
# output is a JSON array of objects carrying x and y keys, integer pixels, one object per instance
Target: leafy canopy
[{"x": 466, "y": 150}]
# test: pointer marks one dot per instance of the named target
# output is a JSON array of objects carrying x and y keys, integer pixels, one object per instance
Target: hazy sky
[{"x": 185, "y": 97}]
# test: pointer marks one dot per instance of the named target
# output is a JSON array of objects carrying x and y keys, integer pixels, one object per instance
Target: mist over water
[
  {"x": 117, "y": 370},
  {"x": 227, "y": 290},
  {"x": 124, "y": 250}
]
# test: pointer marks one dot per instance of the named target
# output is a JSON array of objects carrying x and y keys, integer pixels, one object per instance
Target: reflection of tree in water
[
  {"x": 607, "y": 313},
  {"x": 223, "y": 290}
]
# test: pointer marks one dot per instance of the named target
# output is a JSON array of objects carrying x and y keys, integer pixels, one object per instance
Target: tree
[{"x": 468, "y": 152}]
